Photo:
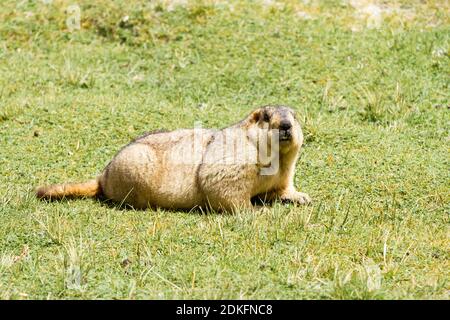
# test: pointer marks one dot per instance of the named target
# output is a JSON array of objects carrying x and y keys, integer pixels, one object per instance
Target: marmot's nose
[{"x": 285, "y": 125}]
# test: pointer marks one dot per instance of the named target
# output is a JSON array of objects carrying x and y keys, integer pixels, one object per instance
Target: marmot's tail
[{"x": 90, "y": 188}]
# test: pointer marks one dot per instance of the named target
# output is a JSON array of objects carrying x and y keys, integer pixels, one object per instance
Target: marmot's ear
[{"x": 255, "y": 116}]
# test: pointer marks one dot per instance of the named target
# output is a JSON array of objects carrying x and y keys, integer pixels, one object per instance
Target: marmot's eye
[
  {"x": 294, "y": 115},
  {"x": 266, "y": 117}
]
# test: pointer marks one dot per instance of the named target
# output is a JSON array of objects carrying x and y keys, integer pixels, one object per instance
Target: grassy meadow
[{"x": 368, "y": 79}]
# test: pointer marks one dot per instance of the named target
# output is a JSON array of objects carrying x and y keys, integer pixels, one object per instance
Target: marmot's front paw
[{"x": 297, "y": 197}]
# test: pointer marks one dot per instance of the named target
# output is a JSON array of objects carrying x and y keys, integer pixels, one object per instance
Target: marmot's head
[{"x": 283, "y": 121}]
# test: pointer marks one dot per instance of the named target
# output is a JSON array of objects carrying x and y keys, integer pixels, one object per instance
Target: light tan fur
[
  {"x": 90, "y": 188},
  {"x": 148, "y": 171}
]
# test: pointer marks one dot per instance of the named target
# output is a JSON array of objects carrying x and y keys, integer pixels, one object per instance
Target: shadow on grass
[{"x": 105, "y": 202}]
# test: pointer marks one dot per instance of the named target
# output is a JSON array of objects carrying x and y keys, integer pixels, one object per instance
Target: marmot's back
[{"x": 159, "y": 169}]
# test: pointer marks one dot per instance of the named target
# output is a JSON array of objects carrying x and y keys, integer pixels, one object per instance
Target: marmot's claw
[
  {"x": 304, "y": 198},
  {"x": 298, "y": 197}
]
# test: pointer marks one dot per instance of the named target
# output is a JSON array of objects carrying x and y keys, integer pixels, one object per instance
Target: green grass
[{"x": 373, "y": 102}]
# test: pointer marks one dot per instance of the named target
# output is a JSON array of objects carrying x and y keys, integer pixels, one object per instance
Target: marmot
[{"x": 212, "y": 169}]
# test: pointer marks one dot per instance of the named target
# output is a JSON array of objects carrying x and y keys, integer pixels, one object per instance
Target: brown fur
[
  {"x": 145, "y": 172},
  {"x": 70, "y": 190}
]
